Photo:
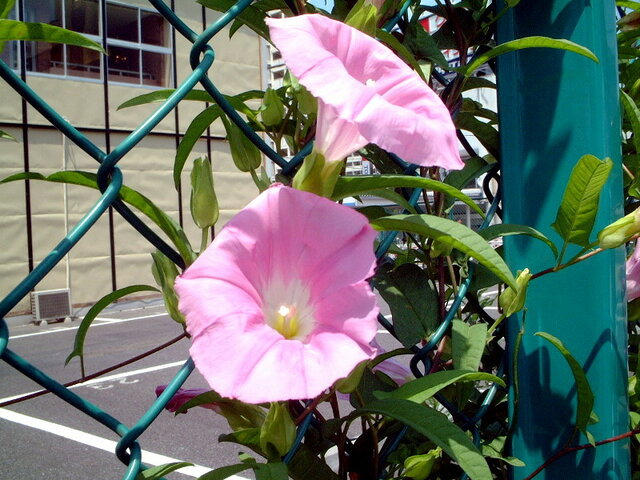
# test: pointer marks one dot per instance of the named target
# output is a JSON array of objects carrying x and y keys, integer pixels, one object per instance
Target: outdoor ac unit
[{"x": 51, "y": 305}]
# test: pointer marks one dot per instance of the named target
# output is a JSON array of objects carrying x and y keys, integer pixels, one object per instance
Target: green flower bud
[
  {"x": 512, "y": 302},
  {"x": 277, "y": 432},
  {"x": 318, "y": 176},
  {"x": 244, "y": 153},
  {"x": 620, "y": 231},
  {"x": 204, "y": 204},
  {"x": 272, "y": 111},
  {"x": 419, "y": 467},
  {"x": 165, "y": 272}
]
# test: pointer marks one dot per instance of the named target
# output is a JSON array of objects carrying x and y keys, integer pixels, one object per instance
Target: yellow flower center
[{"x": 286, "y": 321}]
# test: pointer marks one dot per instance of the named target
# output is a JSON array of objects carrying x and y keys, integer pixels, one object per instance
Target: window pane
[
  {"x": 82, "y": 16},
  {"x": 10, "y": 54},
  {"x": 82, "y": 62},
  {"x": 45, "y": 57},
  {"x": 154, "y": 29},
  {"x": 122, "y": 23},
  {"x": 124, "y": 64},
  {"x": 44, "y": 11},
  {"x": 155, "y": 68}
]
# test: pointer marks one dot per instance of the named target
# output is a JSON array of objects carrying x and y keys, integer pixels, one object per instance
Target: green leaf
[
  {"x": 633, "y": 114},
  {"x": 83, "y": 329},
  {"x": 450, "y": 233},
  {"x": 585, "y": 395},
  {"x": 485, "y": 132},
  {"x": 473, "y": 168},
  {"x": 162, "y": 95},
  {"x": 225, "y": 472},
  {"x": 8, "y": 136},
  {"x": 528, "y": 42},
  {"x": 422, "y": 44},
  {"x": 250, "y": 16},
  {"x": 495, "y": 448},
  {"x": 5, "y": 7},
  {"x": 191, "y": 136},
  {"x": 271, "y": 471},
  {"x": 579, "y": 206},
  {"x": 361, "y": 184},
  {"x": 156, "y": 473},
  {"x": 439, "y": 429},
  {"x": 413, "y": 301},
  {"x": 468, "y": 343},
  {"x": 423, "y": 388},
  {"x": 245, "y": 154},
  {"x": 88, "y": 179},
  {"x": 505, "y": 229},
  {"x": 471, "y": 83},
  {"x": 17, "y": 30}
]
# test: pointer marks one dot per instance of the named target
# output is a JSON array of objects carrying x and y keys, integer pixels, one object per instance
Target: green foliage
[
  {"x": 90, "y": 316},
  {"x": 579, "y": 206},
  {"x": 157, "y": 473},
  {"x": 16, "y": 30}
]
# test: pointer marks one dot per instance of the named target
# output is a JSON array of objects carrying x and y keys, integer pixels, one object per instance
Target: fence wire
[{"x": 110, "y": 181}]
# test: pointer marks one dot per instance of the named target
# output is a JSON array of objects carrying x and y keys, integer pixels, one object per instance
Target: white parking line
[
  {"x": 109, "y": 378},
  {"x": 100, "y": 443},
  {"x": 105, "y": 321}
]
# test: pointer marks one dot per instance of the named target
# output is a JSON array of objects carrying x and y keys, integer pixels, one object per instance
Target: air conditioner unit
[{"x": 51, "y": 305}]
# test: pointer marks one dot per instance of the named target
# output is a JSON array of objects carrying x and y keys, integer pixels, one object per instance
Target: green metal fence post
[{"x": 555, "y": 107}]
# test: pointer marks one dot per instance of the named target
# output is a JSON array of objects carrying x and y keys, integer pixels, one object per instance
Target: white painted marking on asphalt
[
  {"x": 109, "y": 378},
  {"x": 100, "y": 443},
  {"x": 120, "y": 320},
  {"x": 104, "y": 322}
]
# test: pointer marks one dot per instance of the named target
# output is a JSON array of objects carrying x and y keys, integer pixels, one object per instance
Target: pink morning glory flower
[
  {"x": 366, "y": 94},
  {"x": 633, "y": 274},
  {"x": 183, "y": 395},
  {"x": 278, "y": 305}
]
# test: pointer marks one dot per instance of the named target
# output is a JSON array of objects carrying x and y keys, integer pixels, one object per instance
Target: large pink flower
[
  {"x": 278, "y": 306},
  {"x": 633, "y": 274},
  {"x": 365, "y": 92}
]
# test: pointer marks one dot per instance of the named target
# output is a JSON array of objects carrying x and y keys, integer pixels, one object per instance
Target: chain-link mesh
[{"x": 110, "y": 181}]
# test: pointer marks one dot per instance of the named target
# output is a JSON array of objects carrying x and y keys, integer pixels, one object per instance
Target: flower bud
[
  {"x": 277, "y": 432},
  {"x": 419, "y": 467},
  {"x": 244, "y": 153},
  {"x": 272, "y": 111},
  {"x": 513, "y": 301},
  {"x": 204, "y": 204},
  {"x": 620, "y": 231},
  {"x": 165, "y": 272}
]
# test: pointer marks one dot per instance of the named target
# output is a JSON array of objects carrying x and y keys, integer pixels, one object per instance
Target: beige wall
[{"x": 56, "y": 208}]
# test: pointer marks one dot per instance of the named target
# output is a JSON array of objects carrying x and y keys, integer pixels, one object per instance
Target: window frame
[{"x": 138, "y": 46}]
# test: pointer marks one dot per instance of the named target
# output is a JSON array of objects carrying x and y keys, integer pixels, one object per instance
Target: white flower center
[
  {"x": 370, "y": 82},
  {"x": 287, "y": 309}
]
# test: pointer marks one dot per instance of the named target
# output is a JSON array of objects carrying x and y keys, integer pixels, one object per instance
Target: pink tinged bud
[
  {"x": 366, "y": 93},
  {"x": 633, "y": 275}
]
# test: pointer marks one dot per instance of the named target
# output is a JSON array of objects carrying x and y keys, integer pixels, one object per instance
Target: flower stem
[{"x": 203, "y": 239}]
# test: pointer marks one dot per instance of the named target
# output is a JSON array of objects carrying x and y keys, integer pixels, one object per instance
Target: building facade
[{"x": 145, "y": 55}]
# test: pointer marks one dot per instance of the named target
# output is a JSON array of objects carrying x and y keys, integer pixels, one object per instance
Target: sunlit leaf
[
  {"x": 449, "y": 233},
  {"x": 506, "y": 229},
  {"x": 157, "y": 473},
  {"x": 528, "y": 42},
  {"x": 17, "y": 30}
]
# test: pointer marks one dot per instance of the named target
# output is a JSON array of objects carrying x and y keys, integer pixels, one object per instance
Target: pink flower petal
[
  {"x": 290, "y": 249},
  {"x": 369, "y": 87},
  {"x": 633, "y": 274},
  {"x": 182, "y": 396}
]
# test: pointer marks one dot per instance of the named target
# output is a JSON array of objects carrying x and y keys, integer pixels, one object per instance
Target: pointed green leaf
[
  {"x": 585, "y": 394},
  {"x": 5, "y": 7},
  {"x": 413, "y": 301},
  {"x": 505, "y": 229},
  {"x": 271, "y": 471},
  {"x": 449, "y": 233},
  {"x": 632, "y": 112},
  {"x": 437, "y": 428},
  {"x": 7, "y": 136},
  {"x": 17, "y": 30},
  {"x": 162, "y": 95},
  {"x": 83, "y": 329},
  {"x": 157, "y": 473},
  {"x": 467, "y": 344},
  {"x": 528, "y": 42},
  {"x": 249, "y": 16},
  {"x": 423, "y": 388},
  {"x": 485, "y": 132},
  {"x": 361, "y": 184},
  {"x": 579, "y": 207},
  {"x": 225, "y": 472}
]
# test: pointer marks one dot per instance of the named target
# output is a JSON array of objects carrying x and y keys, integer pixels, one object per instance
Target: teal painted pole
[{"x": 555, "y": 107}]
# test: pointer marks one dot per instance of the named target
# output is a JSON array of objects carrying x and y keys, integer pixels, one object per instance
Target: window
[{"x": 138, "y": 42}]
